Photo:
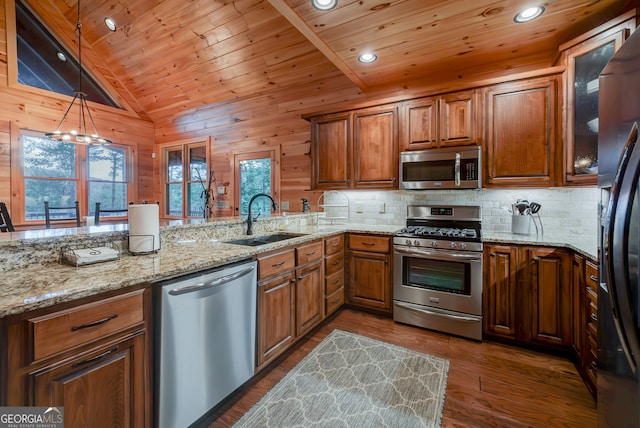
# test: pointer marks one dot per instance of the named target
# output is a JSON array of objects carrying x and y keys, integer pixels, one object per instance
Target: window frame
[
  {"x": 242, "y": 155},
  {"x": 185, "y": 147},
  {"x": 82, "y": 180}
]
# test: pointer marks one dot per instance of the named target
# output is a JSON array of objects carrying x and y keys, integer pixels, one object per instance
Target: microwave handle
[{"x": 457, "y": 170}]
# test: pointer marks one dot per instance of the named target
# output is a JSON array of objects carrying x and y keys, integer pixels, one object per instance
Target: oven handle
[
  {"x": 437, "y": 314},
  {"x": 438, "y": 255}
]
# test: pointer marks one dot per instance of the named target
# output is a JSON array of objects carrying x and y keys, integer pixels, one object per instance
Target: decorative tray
[{"x": 81, "y": 255}]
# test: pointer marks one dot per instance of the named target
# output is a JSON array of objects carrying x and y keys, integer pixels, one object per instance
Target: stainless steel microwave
[{"x": 446, "y": 168}]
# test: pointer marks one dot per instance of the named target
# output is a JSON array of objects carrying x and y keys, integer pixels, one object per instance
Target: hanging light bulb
[{"x": 80, "y": 136}]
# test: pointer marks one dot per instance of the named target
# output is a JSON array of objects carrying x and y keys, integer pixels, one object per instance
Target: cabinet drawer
[
  {"x": 334, "y": 301},
  {"x": 333, "y": 282},
  {"x": 333, "y": 264},
  {"x": 591, "y": 277},
  {"x": 275, "y": 264},
  {"x": 333, "y": 245},
  {"x": 378, "y": 244},
  {"x": 309, "y": 253},
  {"x": 73, "y": 327}
]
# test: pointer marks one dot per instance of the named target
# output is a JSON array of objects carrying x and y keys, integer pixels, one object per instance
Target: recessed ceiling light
[
  {"x": 367, "y": 57},
  {"x": 324, "y": 4},
  {"x": 110, "y": 23},
  {"x": 529, "y": 14},
  {"x": 62, "y": 57}
]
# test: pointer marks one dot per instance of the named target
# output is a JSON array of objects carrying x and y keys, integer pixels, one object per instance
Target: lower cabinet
[
  {"x": 92, "y": 358},
  {"x": 276, "y": 317},
  {"x": 527, "y": 295},
  {"x": 309, "y": 297},
  {"x": 369, "y": 284}
]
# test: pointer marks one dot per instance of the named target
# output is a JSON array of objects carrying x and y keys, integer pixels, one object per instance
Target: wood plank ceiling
[{"x": 171, "y": 56}]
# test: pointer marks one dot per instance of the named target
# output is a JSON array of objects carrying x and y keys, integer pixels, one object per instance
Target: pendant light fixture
[{"x": 79, "y": 135}]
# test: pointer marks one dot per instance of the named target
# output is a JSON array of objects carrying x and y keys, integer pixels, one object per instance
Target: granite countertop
[
  {"x": 587, "y": 248},
  {"x": 40, "y": 286}
]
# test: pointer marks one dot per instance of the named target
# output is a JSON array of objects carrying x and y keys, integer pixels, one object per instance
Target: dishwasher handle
[{"x": 215, "y": 283}]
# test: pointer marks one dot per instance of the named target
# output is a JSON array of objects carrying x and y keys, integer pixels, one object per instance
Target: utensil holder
[{"x": 521, "y": 224}]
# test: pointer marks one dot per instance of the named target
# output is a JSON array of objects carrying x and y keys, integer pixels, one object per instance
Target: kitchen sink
[{"x": 266, "y": 239}]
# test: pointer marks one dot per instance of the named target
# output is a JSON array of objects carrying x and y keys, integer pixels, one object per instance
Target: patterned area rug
[{"x": 352, "y": 381}]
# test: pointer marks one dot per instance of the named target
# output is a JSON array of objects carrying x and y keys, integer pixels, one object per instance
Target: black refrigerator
[{"x": 618, "y": 297}]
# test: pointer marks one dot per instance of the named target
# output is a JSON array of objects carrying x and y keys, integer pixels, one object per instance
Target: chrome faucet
[{"x": 249, "y": 218}]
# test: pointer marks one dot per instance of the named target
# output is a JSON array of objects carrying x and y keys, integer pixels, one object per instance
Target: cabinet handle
[
  {"x": 278, "y": 264},
  {"x": 95, "y": 323},
  {"x": 369, "y": 243},
  {"x": 310, "y": 254},
  {"x": 96, "y": 358},
  {"x": 593, "y": 278},
  {"x": 335, "y": 245},
  {"x": 337, "y": 300},
  {"x": 594, "y": 317},
  {"x": 534, "y": 259},
  {"x": 337, "y": 262},
  {"x": 492, "y": 254},
  {"x": 594, "y": 366},
  {"x": 293, "y": 280},
  {"x": 335, "y": 281},
  {"x": 589, "y": 289}
]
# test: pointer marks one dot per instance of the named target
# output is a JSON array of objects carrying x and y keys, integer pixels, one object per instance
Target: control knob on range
[
  {"x": 408, "y": 242},
  {"x": 453, "y": 245},
  {"x": 434, "y": 243},
  {"x": 416, "y": 243},
  {"x": 463, "y": 246}
]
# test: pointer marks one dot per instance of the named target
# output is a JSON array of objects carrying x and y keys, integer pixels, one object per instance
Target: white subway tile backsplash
[{"x": 565, "y": 211}]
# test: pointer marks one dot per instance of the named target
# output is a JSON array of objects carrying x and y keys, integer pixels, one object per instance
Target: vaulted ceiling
[{"x": 169, "y": 56}]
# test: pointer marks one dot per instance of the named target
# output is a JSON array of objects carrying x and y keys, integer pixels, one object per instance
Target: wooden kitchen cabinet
[
  {"x": 551, "y": 298},
  {"x": 331, "y": 151},
  {"x": 309, "y": 287},
  {"x": 276, "y": 304},
  {"x": 97, "y": 367},
  {"x": 501, "y": 286},
  {"x": 355, "y": 150},
  {"x": 334, "y": 273},
  {"x": 369, "y": 284},
  {"x": 527, "y": 295},
  {"x": 440, "y": 121},
  {"x": 584, "y": 58},
  {"x": 522, "y": 148}
]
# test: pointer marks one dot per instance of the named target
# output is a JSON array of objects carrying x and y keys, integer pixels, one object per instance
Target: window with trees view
[
  {"x": 255, "y": 173},
  {"x": 63, "y": 173},
  {"x": 186, "y": 178}
]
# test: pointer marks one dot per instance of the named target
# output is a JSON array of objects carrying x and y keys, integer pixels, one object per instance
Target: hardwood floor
[{"x": 489, "y": 384}]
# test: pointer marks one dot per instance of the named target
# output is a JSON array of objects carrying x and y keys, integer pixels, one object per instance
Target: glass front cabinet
[{"x": 584, "y": 58}]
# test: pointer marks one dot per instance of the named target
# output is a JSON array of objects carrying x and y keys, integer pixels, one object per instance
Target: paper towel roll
[{"x": 144, "y": 228}]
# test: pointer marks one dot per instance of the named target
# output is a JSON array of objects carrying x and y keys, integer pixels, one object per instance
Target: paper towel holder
[{"x": 142, "y": 253}]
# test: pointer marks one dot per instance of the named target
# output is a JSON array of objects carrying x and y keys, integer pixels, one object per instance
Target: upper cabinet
[
  {"x": 356, "y": 150},
  {"x": 442, "y": 121},
  {"x": 521, "y": 124},
  {"x": 584, "y": 59}
]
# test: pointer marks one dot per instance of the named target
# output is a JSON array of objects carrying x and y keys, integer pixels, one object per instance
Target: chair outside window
[
  {"x": 5, "y": 220},
  {"x": 61, "y": 214},
  {"x": 107, "y": 213}
]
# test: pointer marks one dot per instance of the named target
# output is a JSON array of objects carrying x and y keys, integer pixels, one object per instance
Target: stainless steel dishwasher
[{"x": 205, "y": 340}]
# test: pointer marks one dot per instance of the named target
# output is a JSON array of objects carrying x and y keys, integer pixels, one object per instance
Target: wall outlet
[
  {"x": 284, "y": 206},
  {"x": 359, "y": 207},
  {"x": 222, "y": 190},
  {"x": 381, "y": 207}
]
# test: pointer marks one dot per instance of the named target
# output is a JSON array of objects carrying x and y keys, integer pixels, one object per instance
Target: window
[
  {"x": 186, "y": 178},
  {"x": 44, "y": 63},
  {"x": 63, "y": 173},
  {"x": 255, "y": 173}
]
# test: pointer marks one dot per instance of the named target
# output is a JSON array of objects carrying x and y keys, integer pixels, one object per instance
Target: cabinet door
[
  {"x": 309, "y": 298},
  {"x": 419, "y": 127},
  {"x": 369, "y": 280},
  {"x": 584, "y": 63},
  {"x": 375, "y": 148},
  {"x": 500, "y": 291},
  {"x": 457, "y": 119},
  {"x": 276, "y": 317},
  {"x": 331, "y": 148},
  {"x": 521, "y": 133},
  {"x": 551, "y": 299},
  {"x": 101, "y": 389},
  {"x": 579, "y": 313}
]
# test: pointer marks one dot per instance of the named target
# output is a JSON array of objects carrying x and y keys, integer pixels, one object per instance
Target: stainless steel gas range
[{"x": 437, "y": 278}]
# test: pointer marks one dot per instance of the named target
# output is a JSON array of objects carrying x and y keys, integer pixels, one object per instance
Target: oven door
[{"x": 443, "y": 279}]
